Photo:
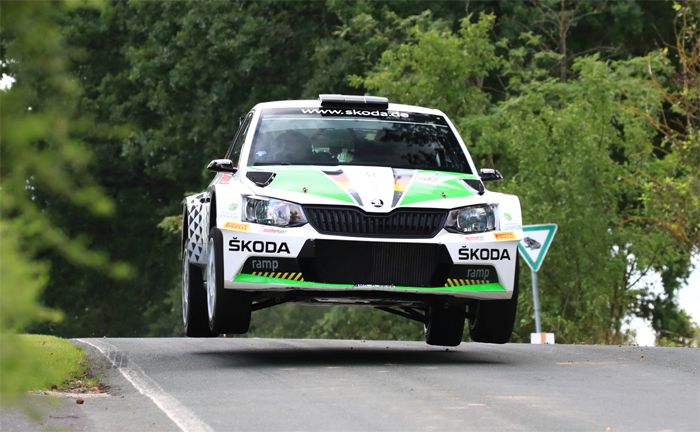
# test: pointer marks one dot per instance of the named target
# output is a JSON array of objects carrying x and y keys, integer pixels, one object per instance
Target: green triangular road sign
[{"x": 535, "y": 243}]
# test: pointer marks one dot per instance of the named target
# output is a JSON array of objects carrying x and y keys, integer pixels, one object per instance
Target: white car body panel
[{"x": 244, "y": 240}]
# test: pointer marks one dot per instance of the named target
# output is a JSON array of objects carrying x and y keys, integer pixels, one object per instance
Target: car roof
[{"x": 317, "y": 104}]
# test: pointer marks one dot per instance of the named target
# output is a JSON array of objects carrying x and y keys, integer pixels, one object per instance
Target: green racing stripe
[
  {"x": 248, "y": 278},
  {"x": 308, "y": 180},
  {"x": 434, "y": 185}
]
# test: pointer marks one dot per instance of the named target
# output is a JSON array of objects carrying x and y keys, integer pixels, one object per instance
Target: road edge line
[{"x": 183, "y": 417}]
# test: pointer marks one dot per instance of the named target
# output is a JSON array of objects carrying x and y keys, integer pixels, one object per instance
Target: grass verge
[
  {"x": 46, "y": 363},
  {"x": 65, "y": 365}
]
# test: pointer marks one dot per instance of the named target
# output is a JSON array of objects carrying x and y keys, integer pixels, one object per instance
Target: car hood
[{"x": 374, "y": 189}]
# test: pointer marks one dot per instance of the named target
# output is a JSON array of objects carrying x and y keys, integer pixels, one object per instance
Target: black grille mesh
[
  {"x": 350, "y": 221},
  {"x": 366, "y": 262}
]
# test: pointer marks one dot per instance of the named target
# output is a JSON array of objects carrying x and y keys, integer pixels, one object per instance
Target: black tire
[
  {"x": 491, "y": 321},
  {"x": 230, "y": 310},
  {"x": 194, "y": 300},
  {"x": 445, "y": 324}
]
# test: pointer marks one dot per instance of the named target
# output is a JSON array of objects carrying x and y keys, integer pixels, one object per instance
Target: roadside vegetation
[
  {"x": 41, "y": 127},
  {"x": 42, "y": 362},
  {"x": 590, "y": 110}
]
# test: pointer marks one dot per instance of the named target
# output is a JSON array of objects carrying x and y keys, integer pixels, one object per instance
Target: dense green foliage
[
  {"x": 41, "y": 156},
  {"x": 579, "y": 103},
  {"x": 590, "y": 135}
]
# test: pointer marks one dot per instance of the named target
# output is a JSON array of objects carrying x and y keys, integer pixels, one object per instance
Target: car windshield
[{"x": 310, "y": 136}]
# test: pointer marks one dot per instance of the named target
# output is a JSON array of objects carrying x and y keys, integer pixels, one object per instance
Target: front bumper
[{"x": 262, "y": 258}]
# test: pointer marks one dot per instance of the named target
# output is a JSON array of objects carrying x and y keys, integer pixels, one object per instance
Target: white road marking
[{"x": 185, "y": 419}]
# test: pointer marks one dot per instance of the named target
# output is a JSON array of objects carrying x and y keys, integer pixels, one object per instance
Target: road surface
[{"x": 236, "y": 384}]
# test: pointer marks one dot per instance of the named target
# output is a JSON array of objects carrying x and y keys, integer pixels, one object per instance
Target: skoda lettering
[
  {"x": 237, "y": 245},
  {"x": 470, "y": 254}
]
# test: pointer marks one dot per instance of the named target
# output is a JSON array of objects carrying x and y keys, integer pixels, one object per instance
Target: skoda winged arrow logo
[{"x": 377, "y": 202}]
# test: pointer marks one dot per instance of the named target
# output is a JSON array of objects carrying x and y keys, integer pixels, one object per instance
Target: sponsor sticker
[
  {"x": 268, "y": 230},
  {"x": 373, "y": 286},
  {"x": 355, "y": 112},
  {"x": 504, "y": 235},
  {"x": 237, "y": 226},
  {"x": 483, "y": 273},
  {"x": 288, "y": 268},
  {"x": 225, "y": 179},
  {"x": 265, "y": 264},
  {"x": 471, "y": 275},
  {"x": 512, "y": 226},
  {"x": 473, "y": 237},
  {"x": 226, "y": 214},
  {"x": 432, "y": 178}
]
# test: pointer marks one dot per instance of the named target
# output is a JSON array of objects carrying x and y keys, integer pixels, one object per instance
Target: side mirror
[
  {"x": 221, "y": 165},
  {"x": 489, "y": 174}
]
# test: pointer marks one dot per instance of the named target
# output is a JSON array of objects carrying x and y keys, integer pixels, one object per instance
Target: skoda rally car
[{"x": 351, "y": 200}]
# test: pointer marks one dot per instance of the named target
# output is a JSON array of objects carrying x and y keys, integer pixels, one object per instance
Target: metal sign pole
[
  {"x": 536, "y": 301},
  {"x": 533, "y": 248}
]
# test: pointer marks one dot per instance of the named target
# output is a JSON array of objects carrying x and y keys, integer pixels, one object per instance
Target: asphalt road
[{"x": 327, "y": 385}]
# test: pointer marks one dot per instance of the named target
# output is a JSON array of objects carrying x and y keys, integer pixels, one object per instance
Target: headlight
[
  {"x": 474, "y": 219},
  {"x": 269, "y": 211}
]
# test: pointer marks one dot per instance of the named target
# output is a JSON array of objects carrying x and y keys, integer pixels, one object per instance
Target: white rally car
[{"x": 351, "y": 200}]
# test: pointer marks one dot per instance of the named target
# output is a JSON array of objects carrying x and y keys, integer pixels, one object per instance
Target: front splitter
[{"x": 273, "y": 282}]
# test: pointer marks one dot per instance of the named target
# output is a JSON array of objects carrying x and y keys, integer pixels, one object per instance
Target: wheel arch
[
  {"x": 183, "y": 234},
  {"x": 212, "y": 212}
]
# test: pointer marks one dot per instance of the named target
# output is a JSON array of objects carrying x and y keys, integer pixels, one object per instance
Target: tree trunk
[{"x": 563, "y": 30}]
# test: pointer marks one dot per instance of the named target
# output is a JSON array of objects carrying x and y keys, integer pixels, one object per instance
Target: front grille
[
  {"x": 375, "y": 263},
  {"x": 351, "y": 221}
]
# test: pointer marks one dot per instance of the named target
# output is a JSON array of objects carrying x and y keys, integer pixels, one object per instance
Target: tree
[
  {"x": 572, "y": 28},
  {"x": 568, "y": 147},
  {"x": 462, "y": 62},
  {"x": 670, "y": 183},
  {"x": 41, "y": 154},
  {"x": 180, "y": 74}
]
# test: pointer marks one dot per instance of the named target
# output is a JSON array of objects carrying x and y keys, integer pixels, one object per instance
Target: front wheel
[
  {"x": 194, "y": 300},
  {"x": 228, "y": 310},
  {"x": 491, "y": 321},
  {"x": 445, "y": 324}
]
